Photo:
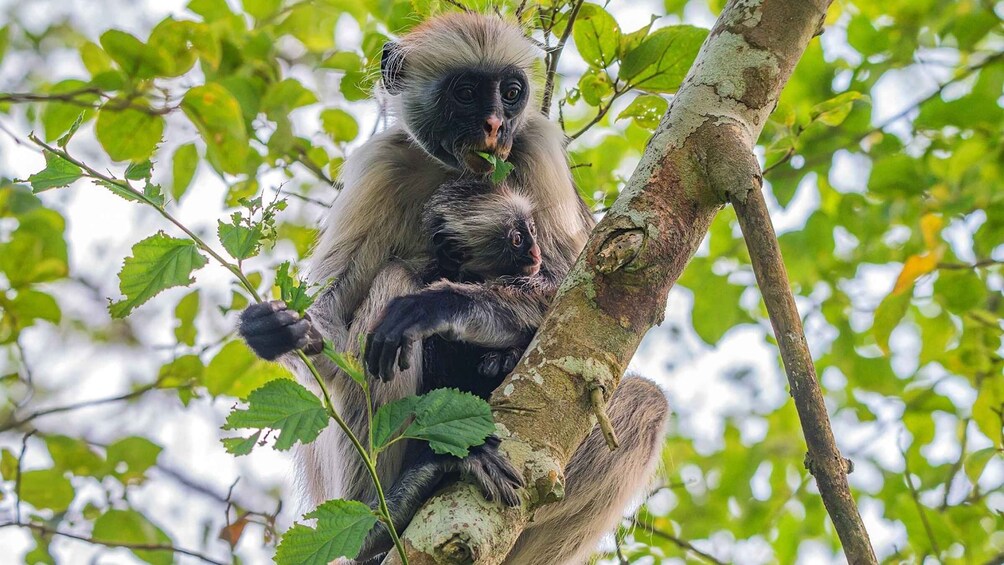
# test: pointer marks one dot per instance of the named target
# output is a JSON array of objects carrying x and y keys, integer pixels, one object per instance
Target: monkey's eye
[
  {"x": 464, "y": 94},
  {"x": 511, "y": 93},
  {"x": 516, "y": 238}
]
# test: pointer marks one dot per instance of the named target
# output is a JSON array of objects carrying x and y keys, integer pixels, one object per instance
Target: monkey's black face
[
  {"x": 477, "y": 111},
  {"x": 514, "y": 253}
]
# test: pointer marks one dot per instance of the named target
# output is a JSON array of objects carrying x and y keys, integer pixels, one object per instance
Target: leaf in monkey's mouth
[{"x": 500, "y": 167}]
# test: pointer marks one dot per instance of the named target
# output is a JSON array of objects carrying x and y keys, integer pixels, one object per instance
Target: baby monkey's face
[{"x": 514, "y": 252}]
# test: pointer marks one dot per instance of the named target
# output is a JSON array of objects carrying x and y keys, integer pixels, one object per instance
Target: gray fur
[{"x": 370, "y": 249}]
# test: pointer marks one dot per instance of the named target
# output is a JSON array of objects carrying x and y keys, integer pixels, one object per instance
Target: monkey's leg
[{"x": 599, "y": 483}]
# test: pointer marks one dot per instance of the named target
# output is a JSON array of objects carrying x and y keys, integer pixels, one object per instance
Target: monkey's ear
[{"x": 392, "y": 67}]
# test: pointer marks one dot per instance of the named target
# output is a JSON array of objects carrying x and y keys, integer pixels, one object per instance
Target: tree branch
[
  {"x": 824, "y": 460},
  {"x": 681, "y": 543},
  {"x": 699, "y": 158},
  {"x": 554, "y": 55},
  {"x": 76, "y": 406},
  {"x": 47, "y": 531}
]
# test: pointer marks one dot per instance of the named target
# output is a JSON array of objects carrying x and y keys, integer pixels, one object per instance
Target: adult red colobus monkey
[{"x": 459, "y": 84}]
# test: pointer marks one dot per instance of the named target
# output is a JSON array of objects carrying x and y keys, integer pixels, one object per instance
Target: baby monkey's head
[{"x": 481, "y": 231}]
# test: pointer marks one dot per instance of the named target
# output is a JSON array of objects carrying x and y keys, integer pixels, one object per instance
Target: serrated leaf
[
  {"x": 451, "y": 421},
  {"x": 500, "y": 168},
  {"x": 241, "y": 445},
  {"x": 58, "y": 172},
  {"x": 241, "y": 242},
  {"x": 294, "y": 292},
  {"x": 183, "y": 166},
  {"x": 285, "y": 406},
  {"x": 158, "y": 262},
  {"x": 389, "y": 419},
  {"x": 341, "y": 527},
  {"x": 139, "y": 170},
  {"x": 346, "y": 362},
  {"x": 132, "y": 528}
]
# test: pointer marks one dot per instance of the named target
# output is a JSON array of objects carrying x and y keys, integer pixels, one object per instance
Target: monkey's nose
[{"x": 493, "y": 125}]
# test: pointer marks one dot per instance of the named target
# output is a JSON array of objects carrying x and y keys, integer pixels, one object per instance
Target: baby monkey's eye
[
  {"x": 516, "y": 238},
  {"x": 464, "y": 94}
]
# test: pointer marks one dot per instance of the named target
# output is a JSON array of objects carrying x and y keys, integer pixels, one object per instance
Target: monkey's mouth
[
  {"x": 478, "y": 164},
  {"x": 531, "y": 270}
]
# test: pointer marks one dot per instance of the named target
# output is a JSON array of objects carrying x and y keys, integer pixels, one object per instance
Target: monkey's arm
[{"x": 497, "y": 316}]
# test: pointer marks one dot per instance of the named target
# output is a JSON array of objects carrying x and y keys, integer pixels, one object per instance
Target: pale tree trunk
[{"x": 699, "y": 159}]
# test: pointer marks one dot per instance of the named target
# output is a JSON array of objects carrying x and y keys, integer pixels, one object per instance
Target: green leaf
[
  {"x": 58, "y": 117},
  {"x": 888, "y": 315},
  {"x": 346, "y": 362},
  {"x": 217, "y": 115},
  {"x": 185, "y": 312},
  {"x": 500, "y": 168},
  {"x": 241, "y": 445},
  {"x": 661, "y": 61},
  {"x": 36, "y": 251},
  {"x": 132, "y": 528},
  {"x": 976, "y": 462},
  {"x": 236, "y": 371},
  {"x": 128, "y": 134},
  {"x": 285, "y": 96},
  {"x": 184, "y": 372},
  {"x": 261, "y": 9},
  {"x": 129, "y": 458},
  {"x": 647, "y": 110},
  {"x": 139, "y": 170},
  {"x": 133, "y": 56},
  {"x": 173, "y": 41},
  {"x": 47, "y": 488},
  {"x": 58, "y": 172},
  {"x": 339, "y": 124},
  {"x": 988, "y": 410},
  {"x": 241, "y": 242},
  {"x": 716, "y": 301},
  {"x": 8, "y": 465},
  {"x": 451, "y": 421},
  {"x": 389, "y": 419},
  {"x": 74, "y": 455},
  {"x": 157, "y": 263},
  {"x": 285, "y": 406},
  {"x": 294, "y": 292},
  {"x": 184, "y": 164},
  {"x": 211, "y": 10},
  {"x": 65, "y": 139},
  {"x": 597, "y": 35},
  {"x": 834, "y": 111},
  {"x": 341, "y": 527}
]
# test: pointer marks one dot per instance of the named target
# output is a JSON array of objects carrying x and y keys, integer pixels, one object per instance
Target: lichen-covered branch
[{"x": 699, "y": 159}]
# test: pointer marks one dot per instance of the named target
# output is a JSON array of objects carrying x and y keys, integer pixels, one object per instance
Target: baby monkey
[{"x": 479, "y": 234}]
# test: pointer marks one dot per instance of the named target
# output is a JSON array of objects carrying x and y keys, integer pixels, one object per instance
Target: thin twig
[
  {"x": 73, "y": 98},
  {"x": 554, "y": 55},
  {"x": 601, "y": 113},
  {"x": 957, "y": 466},
  {"x": 920, "y": 506},
  {"x": 77, "y": 406},
  {"x": 17, "y": 476},
  {"x": 681, "y": 543},
  {"x": 47, "y": 531},
  {"x": 970, "y": 266}
]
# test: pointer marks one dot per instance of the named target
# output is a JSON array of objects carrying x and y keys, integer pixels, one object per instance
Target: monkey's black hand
[
  {"x": 271, "y": 330},
  {"x": 496, "y": 365},
  {"x": 493, "y": 474},
  {"x": 406, "y": 320}
]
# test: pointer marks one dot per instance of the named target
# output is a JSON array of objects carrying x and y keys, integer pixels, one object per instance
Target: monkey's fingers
[
  {"x": 388, "y": 356},
  {"x": 372, "y": 361},
  {"x": 404, "y": 357}
]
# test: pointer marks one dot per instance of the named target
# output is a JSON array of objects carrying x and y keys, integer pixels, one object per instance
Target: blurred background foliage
[{"x": 883, "y": 166}]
